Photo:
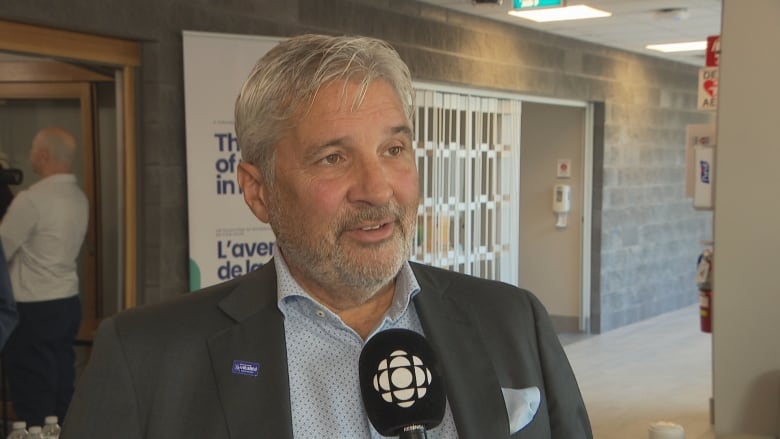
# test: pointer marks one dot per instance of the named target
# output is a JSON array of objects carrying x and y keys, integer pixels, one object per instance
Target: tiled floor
[{"x": 656, "y": 370}]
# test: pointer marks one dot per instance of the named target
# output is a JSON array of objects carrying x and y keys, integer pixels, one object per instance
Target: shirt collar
[
  {"x": 288, "y": 289},
  {"x": 55, "y": 178}
]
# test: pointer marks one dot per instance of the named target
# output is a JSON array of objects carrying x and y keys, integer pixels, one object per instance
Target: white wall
[
  {"x": 746, "y": 333},
  {"x": 551, "y": 258}
]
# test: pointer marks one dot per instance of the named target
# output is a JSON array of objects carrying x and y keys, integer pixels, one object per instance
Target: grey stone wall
[{"x": 648, "y": 232}]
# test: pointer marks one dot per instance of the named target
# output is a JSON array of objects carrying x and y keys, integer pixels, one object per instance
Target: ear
[
  {"x": 252, "y": 183},
  {"x": 41, "y": 153}
]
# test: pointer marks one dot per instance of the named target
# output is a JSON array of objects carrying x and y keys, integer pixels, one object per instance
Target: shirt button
[{"x": 320, "y": 313}]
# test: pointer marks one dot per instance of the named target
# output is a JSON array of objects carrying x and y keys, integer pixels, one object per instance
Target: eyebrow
[{"x": 402, "y": 129}]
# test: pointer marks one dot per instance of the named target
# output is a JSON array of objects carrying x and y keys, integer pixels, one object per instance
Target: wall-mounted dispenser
[{"x": 561, "y": 203}]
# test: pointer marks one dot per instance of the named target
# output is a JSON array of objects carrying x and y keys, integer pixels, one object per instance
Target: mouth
[
  {"x": 372, "y": 232},
  {"x": 371, "y": 225}
]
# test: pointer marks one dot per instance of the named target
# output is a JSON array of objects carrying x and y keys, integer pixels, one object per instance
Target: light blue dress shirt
[{"x": 322, "y": 359}]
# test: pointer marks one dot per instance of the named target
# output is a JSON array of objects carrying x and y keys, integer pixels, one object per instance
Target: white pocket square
[{"x": 521, "y": 406}]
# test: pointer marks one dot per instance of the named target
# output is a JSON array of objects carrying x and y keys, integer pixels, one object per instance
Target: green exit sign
[{"x": 528, "y": 4}]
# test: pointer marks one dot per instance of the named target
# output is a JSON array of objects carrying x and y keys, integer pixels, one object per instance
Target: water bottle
[
  {"x": 51, "y": 429},
  {"x": 34, "y": 432},
  {"x": 18, "y": 430}
]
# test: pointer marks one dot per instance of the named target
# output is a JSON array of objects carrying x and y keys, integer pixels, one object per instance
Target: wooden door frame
[{"x": 122, "y": 55}]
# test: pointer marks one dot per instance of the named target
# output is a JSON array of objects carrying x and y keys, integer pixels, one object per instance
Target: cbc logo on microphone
[{"x": 402, "y": 379}]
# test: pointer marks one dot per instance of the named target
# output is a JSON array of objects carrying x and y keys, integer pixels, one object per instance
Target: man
[
  {"x": 8, "y": 313},
  {"x": 6, "y": 196},
  {"x": 42, "y": 234},
  {"x": 325, "y": 130}
]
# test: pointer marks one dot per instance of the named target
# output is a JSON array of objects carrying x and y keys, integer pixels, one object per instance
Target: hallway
[{"x": 654, "y": 370}]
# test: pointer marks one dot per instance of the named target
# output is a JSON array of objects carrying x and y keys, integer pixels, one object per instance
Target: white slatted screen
[{"x": 468, "y": 157}]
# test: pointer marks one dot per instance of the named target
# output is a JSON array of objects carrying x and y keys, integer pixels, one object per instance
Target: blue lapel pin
[{"x": 247, "y": 368}]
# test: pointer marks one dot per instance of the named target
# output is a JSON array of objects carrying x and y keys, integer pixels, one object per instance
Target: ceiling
[{"x": 633, "y": 24}]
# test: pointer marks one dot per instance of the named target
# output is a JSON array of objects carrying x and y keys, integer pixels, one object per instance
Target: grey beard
[{"x": 334, "y": 269}]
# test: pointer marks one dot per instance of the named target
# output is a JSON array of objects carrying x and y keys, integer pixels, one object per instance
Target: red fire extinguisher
[{"x": 704, "y": 282}]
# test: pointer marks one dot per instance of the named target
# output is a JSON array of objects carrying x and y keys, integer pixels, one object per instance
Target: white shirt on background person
[{"x": 42, "y": 234}]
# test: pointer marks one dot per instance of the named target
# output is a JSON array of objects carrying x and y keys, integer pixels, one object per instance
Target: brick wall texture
[{"x": 646, "y": 234}]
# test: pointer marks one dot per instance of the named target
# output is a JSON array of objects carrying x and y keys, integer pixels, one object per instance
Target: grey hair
[{"x": 286, "y": 80}]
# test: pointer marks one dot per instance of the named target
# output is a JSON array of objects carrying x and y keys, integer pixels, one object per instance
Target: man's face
[{"x": 343, "y": 205}]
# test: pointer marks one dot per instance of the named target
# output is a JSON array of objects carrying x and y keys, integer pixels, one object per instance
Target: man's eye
[
  {"x": 395, "y": 150},
  {"x": 332, "y": 159}
]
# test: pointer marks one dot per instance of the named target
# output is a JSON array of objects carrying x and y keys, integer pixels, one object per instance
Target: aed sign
[
  {"x": 713, "y": 51},
  {"x": 708, "y": 89},
  {"x": 528, "y": 4}
]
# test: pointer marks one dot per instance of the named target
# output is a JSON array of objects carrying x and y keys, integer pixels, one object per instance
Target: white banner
[{"x": 226, "y": 240}]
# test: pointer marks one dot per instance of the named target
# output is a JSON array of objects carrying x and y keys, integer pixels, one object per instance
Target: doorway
[
  {"x": 87, "y": 84},
  {"x": 554, "y": 259},
  {"x": 26, "y": 107}
]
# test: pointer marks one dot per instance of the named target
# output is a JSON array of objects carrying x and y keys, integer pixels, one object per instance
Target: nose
[{"x": 371, "y": 184}]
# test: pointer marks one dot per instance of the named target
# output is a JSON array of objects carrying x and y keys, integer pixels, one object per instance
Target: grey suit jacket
[{"x": 165, "y": 371}]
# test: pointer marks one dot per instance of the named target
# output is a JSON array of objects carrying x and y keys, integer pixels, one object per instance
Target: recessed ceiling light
[
  {"x": 544, "y": 15},
  {"x": 690, "y": 46},
  {"x": 671, "y": 14}
]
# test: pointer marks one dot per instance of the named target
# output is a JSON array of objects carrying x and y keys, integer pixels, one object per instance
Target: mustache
[{"x": 362, "y": 215}]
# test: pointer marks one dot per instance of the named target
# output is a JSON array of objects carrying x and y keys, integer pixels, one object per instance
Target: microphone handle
[{"x": 413, "y": 432}]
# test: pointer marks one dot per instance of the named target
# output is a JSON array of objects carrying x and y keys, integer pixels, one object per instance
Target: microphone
[{"x": 401, "y": 384}]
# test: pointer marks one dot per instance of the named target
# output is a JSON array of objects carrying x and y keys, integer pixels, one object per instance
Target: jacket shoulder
[
  {"x": 461, "y": 286},
  {"x": 203, "y": 311}
]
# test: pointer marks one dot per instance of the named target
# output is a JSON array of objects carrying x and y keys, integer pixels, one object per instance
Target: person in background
[
  {"x": 8, "y": 313},
  {"x": 6, "y": 195},
  {"x": 325, "y": 128},
  {"x": 42, "y": 234}
]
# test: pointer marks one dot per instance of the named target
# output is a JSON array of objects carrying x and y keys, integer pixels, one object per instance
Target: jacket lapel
[
  {"x": 250, "y": 361},
  {"x": 473, "y": 390}
]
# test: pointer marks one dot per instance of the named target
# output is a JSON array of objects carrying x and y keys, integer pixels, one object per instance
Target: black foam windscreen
[{"x": 401, "y": 382}]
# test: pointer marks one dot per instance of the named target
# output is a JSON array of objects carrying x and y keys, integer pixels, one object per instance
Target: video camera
[{"x": 10, "y": 176}]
